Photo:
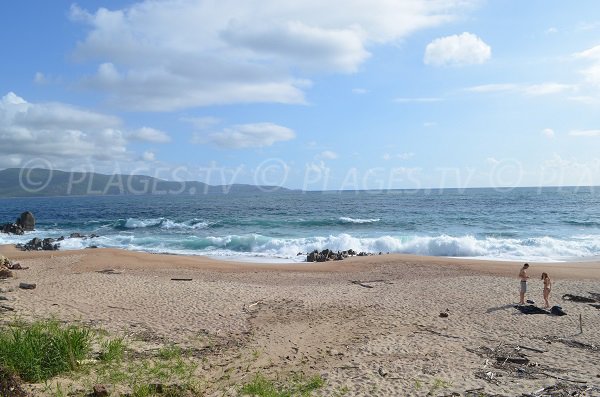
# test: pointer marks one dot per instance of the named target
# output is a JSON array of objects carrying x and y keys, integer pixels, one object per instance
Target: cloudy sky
[{"x": 306, "y": 94}]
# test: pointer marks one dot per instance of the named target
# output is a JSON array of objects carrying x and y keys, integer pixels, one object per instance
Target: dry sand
[{"x": 388, "y": 340}]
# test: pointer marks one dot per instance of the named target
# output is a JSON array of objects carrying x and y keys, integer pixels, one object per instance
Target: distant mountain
[{"x": 24, "y": 182}]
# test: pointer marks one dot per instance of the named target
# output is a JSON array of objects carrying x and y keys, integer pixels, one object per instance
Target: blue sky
[{"x": 348, "y": 95}]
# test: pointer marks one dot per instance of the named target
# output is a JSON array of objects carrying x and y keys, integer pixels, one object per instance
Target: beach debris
[
  {"x": 571, "y": 343},
  {"x": 366, "y": 283},
  {"x": 431, "y": 331},
  {"x": 595, "y": 306},
  {"x": 382, "y": 372},
  {"x": 444, "y": 314},
  {"x": 27, "y": 286},
  {"x": 181, "y": 279},
  {"x": 561, "y": 389},
  {"x": 7, "y": 308},
  {"x": 577, "y": 298},
  {"x": 108, "y": 271}
]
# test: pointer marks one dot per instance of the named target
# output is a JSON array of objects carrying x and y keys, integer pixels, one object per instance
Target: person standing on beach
[
  {"x": 547, "y": 288},
  {"x": 523, "y": 276}
]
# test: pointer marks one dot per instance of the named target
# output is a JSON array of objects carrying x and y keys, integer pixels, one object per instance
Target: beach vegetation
[
  {"x": 297, "y": 385},
  {"x": 41, "y": 350},
  {"x": 112, "y": 350}
]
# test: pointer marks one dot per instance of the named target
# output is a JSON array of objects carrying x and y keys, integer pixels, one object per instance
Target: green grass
[
  {"x": 112, "y": 350},
  {"x": 297, "y": 386},
  {"x": 43, "y": 349}
]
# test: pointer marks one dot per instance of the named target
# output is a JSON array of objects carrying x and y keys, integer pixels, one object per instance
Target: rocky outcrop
[
  {"x": 37, "y": 244},
  {"x": 12, "y": 228},
  {"x": 26, "y": 221},
  {"x": 328, "y": 255}
]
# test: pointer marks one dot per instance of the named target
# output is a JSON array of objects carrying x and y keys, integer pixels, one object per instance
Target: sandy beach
[{"x": 368, "y": 326}]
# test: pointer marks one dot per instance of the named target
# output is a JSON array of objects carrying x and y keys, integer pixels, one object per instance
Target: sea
[{"x": 523, "y": 224}]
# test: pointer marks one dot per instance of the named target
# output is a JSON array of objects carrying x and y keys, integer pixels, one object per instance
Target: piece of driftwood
[
  {"x": 514, "y": 360},
  {"x": 357, "y": 282},
  {"x": 27, "y": 286},
  {"x": 108, "y": 271},
  {"x": 8, "y": 308},
  {"x": 532, "y": 349},
  {"x": 181, "y": 279},
  {"x": 565, "y": 379},
  {"x": 422, "y": 328}
]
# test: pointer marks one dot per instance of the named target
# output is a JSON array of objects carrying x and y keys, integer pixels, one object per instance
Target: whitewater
[{"x": 525, "y": 224}]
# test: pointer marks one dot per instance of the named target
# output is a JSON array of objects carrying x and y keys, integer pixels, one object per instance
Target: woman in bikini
[{"x": 547, "y": 288}]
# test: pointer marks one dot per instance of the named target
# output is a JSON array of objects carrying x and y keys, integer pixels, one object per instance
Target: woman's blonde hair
[{"x": 544, "y": 275}]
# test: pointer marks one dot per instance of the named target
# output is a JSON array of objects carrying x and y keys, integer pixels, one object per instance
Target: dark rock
[
  {"x": 61, "y": 238},
  {"x": 93, "y": 235},
  {"x": 76, "y": 235},
  {"x": 26, "y": 221},
  {"x": 13, "y": 228},
  {"x": 5, "y": 273},
  {"x": 36, "y": 244},
  {"x": 443, "y": 314},
  {"x": 100, "y": 391},
  {"x": 10, "y": 384},
  {"x": 27, "y": 286}
]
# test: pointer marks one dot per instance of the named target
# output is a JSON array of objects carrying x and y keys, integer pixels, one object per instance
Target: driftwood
[
  {"x": 7, "y": 308},
  {"x": 366, "y": 283},
  {"x": 514, "y": 360},
  {"x": 27, "y": 286},
  {"x": 422, "y": 328},
  {"x": 181, "y": 279},
  {"x": 108, "y": 271},
  {"x": 532, "y": 349}
]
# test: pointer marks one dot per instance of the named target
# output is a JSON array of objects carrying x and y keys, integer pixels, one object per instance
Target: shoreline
[{"x": 589, "y": 269}]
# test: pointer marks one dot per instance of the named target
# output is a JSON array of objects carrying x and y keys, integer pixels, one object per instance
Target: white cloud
[
  {"x": 246, "y": 136},
  {"x": 548, "y": 133},
  {"x": 429, "y": 124},
  {"x": 551, "y": 30},
  {"x": 418, "y": 100},
  {"x": 148, "y": 156},
  {"x": 328, "y": 155},
  {"x": 147, "y": 134},
  {"x": 359, "y": 91},
  {"x": 400, "y": 156},
  {"x": 457, "y": 50},
  {"x": 591, "y": 73},
  {"x": 584, "y": 133},
  {"x": 177, "y": 54},
  {"x": 547, "y": 88},
  {"x": 201, "y": 123},
  {"x": 57, "y": 131}
]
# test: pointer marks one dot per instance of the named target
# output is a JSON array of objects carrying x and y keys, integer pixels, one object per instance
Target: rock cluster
[
  {"x": 24, "y": 223},
  {"x": 49, "y": 244},
  {"x": 329, "y": 255},
  {"x": 37, "y": 244}
]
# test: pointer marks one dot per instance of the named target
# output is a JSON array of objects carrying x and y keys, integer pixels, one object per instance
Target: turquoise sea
[{"x": 525, "y": 224}]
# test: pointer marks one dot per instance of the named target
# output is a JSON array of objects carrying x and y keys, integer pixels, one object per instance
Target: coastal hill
[{"x": 24, "y": 182}]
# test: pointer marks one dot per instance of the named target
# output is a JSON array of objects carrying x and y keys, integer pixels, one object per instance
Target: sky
[{"x": 343, "y": 95}]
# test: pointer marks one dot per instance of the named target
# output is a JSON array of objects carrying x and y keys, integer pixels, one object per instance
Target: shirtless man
[{"x": 523, "y": 276}]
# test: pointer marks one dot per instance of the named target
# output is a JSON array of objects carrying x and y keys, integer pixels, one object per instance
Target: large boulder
[{"x": 26, "y": 221}]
